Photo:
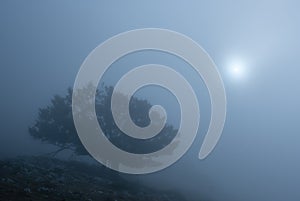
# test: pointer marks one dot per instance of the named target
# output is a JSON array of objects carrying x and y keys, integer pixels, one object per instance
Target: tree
[{"x": 55, "y": 125}]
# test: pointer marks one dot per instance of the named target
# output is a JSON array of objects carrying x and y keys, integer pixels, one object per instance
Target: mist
[{"x": 44, "y": 43}]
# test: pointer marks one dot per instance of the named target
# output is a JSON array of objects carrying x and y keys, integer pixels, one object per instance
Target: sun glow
[{"x": 237, "y": 69}]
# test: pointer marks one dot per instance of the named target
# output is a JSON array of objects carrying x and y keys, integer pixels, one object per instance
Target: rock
[
  {"x": 42, "y": 178},
  {"x": 27, "y": 190}
]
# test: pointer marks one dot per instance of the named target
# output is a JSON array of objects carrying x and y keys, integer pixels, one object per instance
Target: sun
[{"x": 237, "y": 69}]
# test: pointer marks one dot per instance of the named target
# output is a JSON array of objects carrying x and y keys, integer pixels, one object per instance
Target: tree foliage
[{"x": 55, "y": 125}]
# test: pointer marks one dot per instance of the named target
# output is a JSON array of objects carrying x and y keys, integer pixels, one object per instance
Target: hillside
[{"x": 43, "y": 178}]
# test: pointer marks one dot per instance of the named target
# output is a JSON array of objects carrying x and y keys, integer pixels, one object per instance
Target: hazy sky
[{"x": 43, "y": 43}]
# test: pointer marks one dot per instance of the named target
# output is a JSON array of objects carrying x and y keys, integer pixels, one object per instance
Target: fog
[{"x": 43, "y": 44}]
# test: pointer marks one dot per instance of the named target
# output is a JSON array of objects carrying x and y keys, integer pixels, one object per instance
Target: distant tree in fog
[{"x": 55, "y": 125}]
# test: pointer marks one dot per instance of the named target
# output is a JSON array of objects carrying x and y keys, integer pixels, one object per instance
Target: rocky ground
[{"x": 43, "y": 178}]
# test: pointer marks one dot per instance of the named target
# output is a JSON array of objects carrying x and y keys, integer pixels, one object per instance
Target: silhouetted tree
[{"x": 55, "y": 125}]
